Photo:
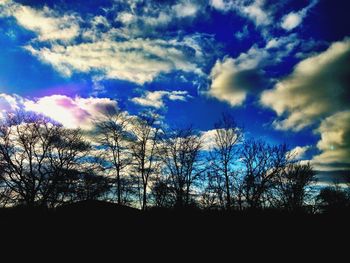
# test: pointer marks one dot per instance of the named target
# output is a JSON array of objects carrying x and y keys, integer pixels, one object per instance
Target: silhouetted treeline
[{"x": 136, "y": 161}]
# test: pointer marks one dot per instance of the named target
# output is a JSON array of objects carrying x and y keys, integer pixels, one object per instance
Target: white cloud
[
  {"x": 334, "y": 143},
  {"x": 291, "y": 20},
  {"x": 273, "y": 43},
  {"x": 317, "y": 87},
  {"x": 163, "y": 18},
  {"x": 100, "y": 20},
  {"x": 186, "y": 9},
  {"x": 155, "y": 99},
  {"x": 134, "y": 51},
  {"x": 233, "y": 78},
  {"x": 154, "y": 16},
  {"x": 253, "y": 10},
  {"x": 257, "y": 13},
  {"x": 47, "y": 23},
  {"x": 179, "y": 95},
  {"x": 9, "y": 103},
  {"x": 72, "y": 112},
  {"x": 298, "y": 152},
  {"x": 225, "y": 84},
  {"x": 126, "y": 18},
  {"x": 220, "y": 5},
  {"x": 316, "y": 93},
  {"x": 242, "y": 34},
  {"x": 136, "y": 60},
  {"x": 208, "y": 139},
  {"x": 294, "y": 19}
]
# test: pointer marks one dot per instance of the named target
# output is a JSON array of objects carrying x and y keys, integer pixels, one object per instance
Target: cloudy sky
[{"x": 281, "y": 68}]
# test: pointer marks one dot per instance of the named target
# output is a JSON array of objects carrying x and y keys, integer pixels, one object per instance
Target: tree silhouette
[
  {"x": 36, "y": 155},
  {"x": 223, "y": 156},
  {"x": 333, "y": 199},
  {"x": 114, "y": 138},
  {"x": 91, "y": 187},
  {"x": 144, "y": 150},
  {"x": 25, "y": 142},
  {"x": 45, "y": 164},
  {"x": 262, "y": 164},
  {"x": 162, "y": 193},
  {"x": 5, "y": 193},
  {"x": 180, "y": 154},
  {"x": 294, "y": 181}
]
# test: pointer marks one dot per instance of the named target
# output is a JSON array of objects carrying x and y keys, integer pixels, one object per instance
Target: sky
[{"x": 281, "y": 68}]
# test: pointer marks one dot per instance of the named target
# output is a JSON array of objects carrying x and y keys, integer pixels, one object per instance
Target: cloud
[
  {"x": 220, "y": 5},
  {"x": 232, "y": 79},
  {"x": 72, "y": 112},
  {"x": 9, "y": 103},
  {"x": 252, "y": 10},
  {"x": 136, "y": 60},
  {"x": 48, "y": 24},
  {"x": 257, "y": 13},
  {"x": 242, "y": 34},
  {"x": 186, "y": 9},
  {"x": 155, "y": 99},
  {"x": 329, "y": 178},
  {"x": 232, "y": 82},
  {"x": 208, "y": 139},
  {"x": 298, "y": 153},
  {"x": 316, "y": 93},
  {"x": 128, "y": 48},
  {"x": 100, "y": 20},
  {"x": 318, "y": 87},
  {"x": 153, "y": 17},
  {"x": 294, "y": 19},
  {"x": 334, "y": 143},
  {"x": 126, "y": 18},
  {"x": 291, "y": 20}
]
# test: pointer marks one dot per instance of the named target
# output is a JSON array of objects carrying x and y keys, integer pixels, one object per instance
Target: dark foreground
[
  {"x": 102, "y": 216},
  {"x": 96, "y": 224}
]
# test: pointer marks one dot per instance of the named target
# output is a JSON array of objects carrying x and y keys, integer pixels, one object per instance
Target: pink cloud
[{"x": 72, "y": 112}]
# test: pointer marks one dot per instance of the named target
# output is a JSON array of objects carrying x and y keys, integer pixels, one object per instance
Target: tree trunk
[
  {"x": 144, "y": 199},
  {"x": 228, "y": 194},
  {"x": 118, "y": 188}
]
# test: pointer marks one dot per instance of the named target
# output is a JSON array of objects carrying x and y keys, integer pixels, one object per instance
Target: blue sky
[{"x": 281, "y": 68}]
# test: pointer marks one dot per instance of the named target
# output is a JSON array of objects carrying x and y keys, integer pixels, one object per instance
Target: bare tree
[
  {"x": 333, "y": 200},
  {"x": 144, "y": 150},
  {"x": 69, "y": 159},
  {"x": 223, "y": 156},
  {"x": 5, "y": 192},
  {"x": 23, "y": 148},
  {"x": 91, "y": 187},
  {"x": 162, "y": 193},
  {"x": 114, "y": 138},
  {"x": 36, "y": 155},
  {"x": 294, "y": 181},
  {"x": 213, "y": 189},
  {"x": 212, "y": 196},
  {"x": 181, "y": 156},
  {"x": 262, "y": 163}
]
